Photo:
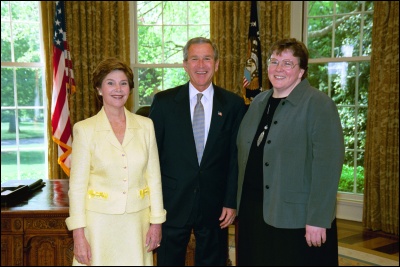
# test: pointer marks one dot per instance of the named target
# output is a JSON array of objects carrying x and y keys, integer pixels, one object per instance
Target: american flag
[{"x": 63, "y": 85}]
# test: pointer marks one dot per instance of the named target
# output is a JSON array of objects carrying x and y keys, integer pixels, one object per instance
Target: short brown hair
[
  {"x": 298, "y": 49},
  {"x": 108, "y": 65},
  {"x": 200, "y": 40}
]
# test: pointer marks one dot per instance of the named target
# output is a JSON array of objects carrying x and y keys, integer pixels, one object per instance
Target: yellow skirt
[{"x": 118, "y": 239}]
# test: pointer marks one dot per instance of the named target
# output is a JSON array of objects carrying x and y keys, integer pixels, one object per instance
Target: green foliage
[
  {"x": 25, "y": 36},
  {"x": 346, "y": 183},
  {"x": 163, "y": 29}
]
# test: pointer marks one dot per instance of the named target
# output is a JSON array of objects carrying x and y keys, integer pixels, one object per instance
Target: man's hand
[{"x": 227, "y": 217}]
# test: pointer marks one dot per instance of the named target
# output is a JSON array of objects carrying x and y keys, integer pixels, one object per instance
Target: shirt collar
[{"x": 207, "y": 94}]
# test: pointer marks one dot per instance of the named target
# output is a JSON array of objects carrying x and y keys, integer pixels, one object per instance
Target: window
[
  {"x": 338, "y": 35},
  {"x": 160, "y": 31},
  {"x": 23, "y": 112}
]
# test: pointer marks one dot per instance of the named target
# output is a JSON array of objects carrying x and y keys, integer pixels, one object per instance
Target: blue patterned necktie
[{"x": 198, "y": 127}]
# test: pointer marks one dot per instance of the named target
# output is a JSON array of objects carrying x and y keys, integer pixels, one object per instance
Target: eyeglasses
[{"x": 287, "y": 64}]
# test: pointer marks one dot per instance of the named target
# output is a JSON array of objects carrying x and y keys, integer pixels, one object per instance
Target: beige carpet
[{"x": 355, "y": 256}]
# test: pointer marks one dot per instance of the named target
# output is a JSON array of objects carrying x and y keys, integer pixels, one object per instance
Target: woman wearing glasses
[{"x": 291, "y": 152}]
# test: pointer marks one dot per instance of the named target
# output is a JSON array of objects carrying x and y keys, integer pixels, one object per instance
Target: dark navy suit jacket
[{"x": 215, "y": 180}]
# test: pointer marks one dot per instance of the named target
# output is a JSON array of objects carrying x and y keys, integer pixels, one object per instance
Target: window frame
[
  {"x": 19, "y": 148},
  {"x": 135, "y": 55}
]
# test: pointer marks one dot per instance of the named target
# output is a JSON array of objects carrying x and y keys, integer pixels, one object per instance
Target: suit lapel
[
  {"x": 103, "y": 127},
  {"x": 185, "y": 130},
  {"x": 131, "y": 126}
]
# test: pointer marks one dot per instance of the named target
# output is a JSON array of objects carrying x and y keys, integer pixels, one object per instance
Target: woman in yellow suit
[{"x": 116, "y": 206}]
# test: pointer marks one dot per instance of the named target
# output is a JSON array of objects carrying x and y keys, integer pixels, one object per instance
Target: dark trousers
[
  {"x": 211, "y": 243},
  {"x": 211, "y": 246}
]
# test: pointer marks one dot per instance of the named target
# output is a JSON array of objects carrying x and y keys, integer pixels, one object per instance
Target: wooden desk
[{"x": 34, "y": 233}]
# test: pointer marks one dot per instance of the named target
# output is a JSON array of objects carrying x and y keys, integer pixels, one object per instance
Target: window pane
[
  {"x": 347, "y": 6},
  {"x": 175, "y": 12},
  {"x": 177, "y": 38},
  {"x": 369, "y": 5},
  {"x": 342, "y": 89},
  {"x": 348, "y": 124},
  {"x": 347, "y": 181},
  {"x": 30, "y": 10},
  {"x": 174, "y": 77},
  {"x": 29, "y": 87},
  {"x": 319, "y": 43},
  {"x": 367, "y": 35},
  {"x": 8, "y": 129},
  {"x": 9, "y": 167},
  {"x": 196, "y": 31},
  {"x": 150, "y": 81},
  {"x": 320, "y": 8},
  {"x": 26, "y": 39},
  {"x": 150, "y": 43},
  {"x": 347, "y": 39},
  {"x": 5, "y": 41},
  {"x": 199, "y": 13},
  {"x": 153, "y": 80},
  {"x": 32, "y": 165},
  {"x": 149, "y": 12},
  {"x": 31, "y": 127},
  {"x": 5, "y": 11},
  {"x": 163, "y": 28},
  {"x": 318, "y": 75},
  {"x": 360, "y": 173},
  {"x": 363, "y": 83},
  {"x": 342, "y": 81},
  {"x": 361, "y": 128},
  {"x": 7, "y": 87}
]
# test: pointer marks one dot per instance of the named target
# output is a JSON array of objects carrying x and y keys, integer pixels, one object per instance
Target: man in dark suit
[{"x": 199, "y": 192}]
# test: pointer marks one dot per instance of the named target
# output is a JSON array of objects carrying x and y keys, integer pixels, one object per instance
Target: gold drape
[
  {"x": 229, "y": 27},
  {"x": 381, "y": 192},
  {"x": 95, "y": 30}
]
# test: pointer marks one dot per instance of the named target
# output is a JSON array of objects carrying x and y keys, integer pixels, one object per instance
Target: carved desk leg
[{"x": 11, "y": 242}]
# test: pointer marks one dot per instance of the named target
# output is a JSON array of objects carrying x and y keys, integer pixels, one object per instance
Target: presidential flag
[
  {"x": 252, "y": 78},
  {"x": 63, "y": 85}
]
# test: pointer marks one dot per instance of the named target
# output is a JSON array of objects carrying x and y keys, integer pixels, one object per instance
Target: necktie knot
[{"x": 199, "y": 96}]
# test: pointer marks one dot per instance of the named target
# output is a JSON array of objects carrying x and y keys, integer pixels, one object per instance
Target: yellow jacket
[{"x": 111, "y": 178}]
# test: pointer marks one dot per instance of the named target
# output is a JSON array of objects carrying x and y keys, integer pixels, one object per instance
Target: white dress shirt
[{"x": 207, "y": 101}]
